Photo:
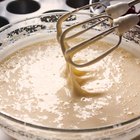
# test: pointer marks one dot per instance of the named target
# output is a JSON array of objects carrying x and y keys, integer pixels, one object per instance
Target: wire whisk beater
[{"x": 112, "y": 15}]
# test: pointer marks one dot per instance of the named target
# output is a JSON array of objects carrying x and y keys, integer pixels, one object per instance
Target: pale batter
[{"x": 35, "y": 87}]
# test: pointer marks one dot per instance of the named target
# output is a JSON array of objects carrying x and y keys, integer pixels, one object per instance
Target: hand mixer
[
  {"x": 112, "y": 13},
  {"x": 118, "y": 24}
]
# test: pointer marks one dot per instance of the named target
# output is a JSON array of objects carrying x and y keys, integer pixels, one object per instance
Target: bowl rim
[
  {"x": 62, "y": 130},
  {"x": 67, "y": 130}
]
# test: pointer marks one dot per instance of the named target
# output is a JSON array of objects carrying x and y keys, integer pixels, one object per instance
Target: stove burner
[
  {"x": 76, "y": 4},
  {"x": 23, "y": 6},
  {"x": 3, "y": 21}
]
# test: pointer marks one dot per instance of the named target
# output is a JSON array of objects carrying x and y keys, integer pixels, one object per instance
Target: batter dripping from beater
[{"x": 76, "y": 77}]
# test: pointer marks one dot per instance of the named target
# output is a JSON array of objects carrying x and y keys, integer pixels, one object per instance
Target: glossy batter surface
[{"x": 34, "y": 87}]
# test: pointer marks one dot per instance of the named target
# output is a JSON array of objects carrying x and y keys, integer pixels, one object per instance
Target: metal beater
[{"x": 113, "y": 13}]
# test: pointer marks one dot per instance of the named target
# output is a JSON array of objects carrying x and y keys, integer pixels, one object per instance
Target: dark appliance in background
[{"x": 13, "y": 10}]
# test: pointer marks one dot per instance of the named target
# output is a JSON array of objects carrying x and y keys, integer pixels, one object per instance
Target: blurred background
[{"x": 14, "y": 10}]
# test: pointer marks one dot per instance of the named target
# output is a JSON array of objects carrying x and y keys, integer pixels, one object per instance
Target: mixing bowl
[{"x": 17, "y": 35}]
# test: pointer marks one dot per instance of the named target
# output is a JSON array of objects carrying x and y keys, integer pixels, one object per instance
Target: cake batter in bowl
[{"x": 37, "y": 96}]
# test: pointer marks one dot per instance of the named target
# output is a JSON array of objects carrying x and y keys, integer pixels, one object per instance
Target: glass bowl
[{"x": 35, "y": 29}]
